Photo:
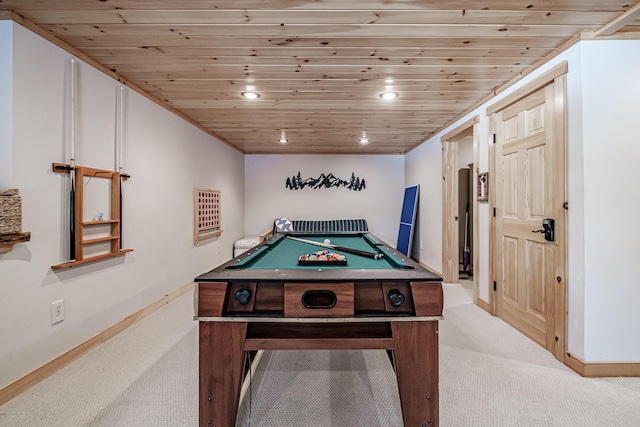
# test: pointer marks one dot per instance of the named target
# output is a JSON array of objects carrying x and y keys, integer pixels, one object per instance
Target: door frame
[
  {"x": 556, "y": 74},
  {"x": 450, "y": 245}
]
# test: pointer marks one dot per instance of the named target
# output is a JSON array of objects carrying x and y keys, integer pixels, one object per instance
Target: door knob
[{"x": 548, "y": 229}]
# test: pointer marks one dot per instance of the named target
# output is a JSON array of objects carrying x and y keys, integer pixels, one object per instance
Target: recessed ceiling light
[
  {"x": 251, "y": 95},
  {"x": 388, "y": 96},
  {"x": 364, "y": 140},
  {"x": 283, "y": 139}
]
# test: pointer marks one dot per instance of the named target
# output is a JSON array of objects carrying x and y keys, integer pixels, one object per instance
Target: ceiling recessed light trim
[
  {"x": 389, "y": 95},
  {"x": 250, "y": 95},
  {"x": 283, "y": 138}
]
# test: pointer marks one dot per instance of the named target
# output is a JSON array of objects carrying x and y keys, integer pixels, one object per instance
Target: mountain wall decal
[{"x": 325, "y": 181}]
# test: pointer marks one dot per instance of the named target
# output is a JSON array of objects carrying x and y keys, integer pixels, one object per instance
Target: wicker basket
[{"x": 10, "y": 212}]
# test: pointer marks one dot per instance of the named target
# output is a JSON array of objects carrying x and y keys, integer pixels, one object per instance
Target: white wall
[
  {"x": 576, "y": 211},
  {"x": 6, "y": 65},
  {"x": 266, "y": 197},
  {"x": 423, "y": 166},
  {"x": 166, "y": 158},
  {"x": 465, "y": 152},
  {"x": 611, "y": 109}
]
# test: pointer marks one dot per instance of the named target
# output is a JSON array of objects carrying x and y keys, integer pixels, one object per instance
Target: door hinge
[
  {"x": 494, "y": 138},
  {"x": 495, "y": 286},
  {"x": 494, "y": 212}
]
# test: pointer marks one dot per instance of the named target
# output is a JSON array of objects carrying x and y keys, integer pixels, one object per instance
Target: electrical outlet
[{"x": 57, "y": 312}]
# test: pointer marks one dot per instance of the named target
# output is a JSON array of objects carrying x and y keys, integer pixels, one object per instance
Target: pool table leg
[
  {"x": 221, "y": 364},
  {"x": 416, "y": 363}
]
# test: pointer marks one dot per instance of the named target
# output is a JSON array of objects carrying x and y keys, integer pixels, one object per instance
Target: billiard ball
[{"x": 327, "y": 241}]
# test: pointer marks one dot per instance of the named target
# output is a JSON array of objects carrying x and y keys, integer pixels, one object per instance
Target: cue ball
[{"x": 327, "y": 241}]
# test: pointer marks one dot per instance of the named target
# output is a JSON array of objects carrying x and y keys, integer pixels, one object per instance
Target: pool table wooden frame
[{"x": 273, "y": 319}]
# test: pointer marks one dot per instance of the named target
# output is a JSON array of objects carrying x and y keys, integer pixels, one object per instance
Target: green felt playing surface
[{"x": 283, "y": 253}]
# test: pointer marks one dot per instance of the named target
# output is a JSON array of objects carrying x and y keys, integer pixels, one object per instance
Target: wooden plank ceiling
[{"x": 320, "y": 66}]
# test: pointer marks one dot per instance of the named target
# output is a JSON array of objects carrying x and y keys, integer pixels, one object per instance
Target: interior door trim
[{"x": 450, "y": 257}]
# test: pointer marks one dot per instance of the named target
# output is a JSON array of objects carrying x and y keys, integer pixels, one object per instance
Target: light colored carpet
[
  {"x": 322, "y": 388},
  {"x": 490, "y": 375}
]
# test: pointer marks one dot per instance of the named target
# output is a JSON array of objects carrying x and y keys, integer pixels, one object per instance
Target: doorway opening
[
  {"x": 459, "y": 206},
  {"x": 465, "y": 207}
]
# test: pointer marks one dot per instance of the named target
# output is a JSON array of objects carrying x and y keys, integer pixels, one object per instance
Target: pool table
[{"x": 265, "y": 299}]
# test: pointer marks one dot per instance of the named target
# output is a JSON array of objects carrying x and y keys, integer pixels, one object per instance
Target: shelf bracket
[{"x": 7, "y": 241}]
